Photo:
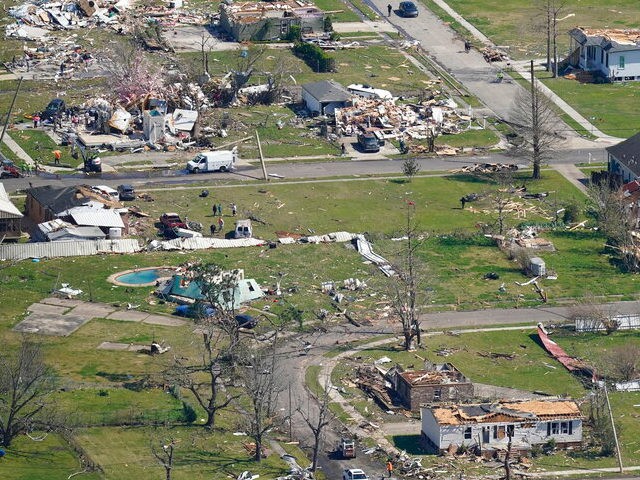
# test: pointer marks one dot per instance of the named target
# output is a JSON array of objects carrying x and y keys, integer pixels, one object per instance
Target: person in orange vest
[
  {"x": 57, "y": 154},
  {"x": 389, "y": 467}
]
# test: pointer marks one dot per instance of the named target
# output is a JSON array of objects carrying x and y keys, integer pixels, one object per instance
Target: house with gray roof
[
  {"x": 325, "y": 96},
  {"x": 612, "y": 53},
  {"x": 624, "y": 159}
]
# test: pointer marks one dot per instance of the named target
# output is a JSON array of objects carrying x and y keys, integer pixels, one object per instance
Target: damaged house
[
  {"x": 325, "y": 96},
  {"x": 10, "y": 218},
  {"x": 260, "y": 21},
  {"x": 610, "y": 53},
  {"x": 61, "y": 211},
  {"x": 488, "y": 426},
  {"x": 442, "y": 383}
]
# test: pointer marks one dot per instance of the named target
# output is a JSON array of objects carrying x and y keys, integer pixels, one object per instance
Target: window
[
  {"x": 498, "y": 432},
  {"x": 621, "y": 62},
  {"x": 437, "y": 393},
  {"x": 553, "y": 428},
  {"x": 467, "y": 433},
  {"x": 510, "y": 430},
  {"x": 566, "y": 428},
  {"x": 601, "y": 56}
]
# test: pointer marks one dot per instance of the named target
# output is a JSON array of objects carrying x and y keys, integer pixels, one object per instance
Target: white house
[
  {"x": 489, "y": 425},
  {"x": 614, "y": 53},
  {"x": 325, "y": 96}
]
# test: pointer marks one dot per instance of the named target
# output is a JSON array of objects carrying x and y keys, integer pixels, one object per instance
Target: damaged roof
[
  {"x": 536, "y": 410},
  {"x": 433, "y": 377},
  {"x": 249, "y": 12},
  {"x": 609, "y": 39},
  {"x": 627, "y": 152}
]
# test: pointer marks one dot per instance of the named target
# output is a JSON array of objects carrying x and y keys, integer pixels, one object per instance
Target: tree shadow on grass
[{"x": 399, "y": 181}]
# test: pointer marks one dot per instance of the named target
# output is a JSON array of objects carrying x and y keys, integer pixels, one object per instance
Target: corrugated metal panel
[
  {"x": 7, "y": 209},
  {"x": 22, "y": 251},
  {"x": 202, "y": 243},
  {"x": 95, "y": 217},
  {"x": 331, "y": 237}
]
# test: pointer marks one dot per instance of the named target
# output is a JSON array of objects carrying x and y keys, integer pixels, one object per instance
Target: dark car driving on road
[{"x": 408, "y": 10}]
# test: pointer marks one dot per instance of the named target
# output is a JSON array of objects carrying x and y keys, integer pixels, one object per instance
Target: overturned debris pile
[
  {"x": 494, "y": 55},
  {"x": 370, "y": 380},
  {"x": 416, "y": 121}
]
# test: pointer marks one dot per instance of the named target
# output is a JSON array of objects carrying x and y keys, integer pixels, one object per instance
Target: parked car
[
  {"x": 354, "y": 474},
  {"x": 408, "y": 10},
  {"x": 55, "y": 108},
  {"x": 347, "y": 448},
  {"x": 368, "y": 142},
  {"x": 246, "y": 321},
  {"x": 126, "y": 192},
  {"x": 196, "y": 310},
  {"x": 171, "y": 220},
  {"x": 9, "y": 170}
]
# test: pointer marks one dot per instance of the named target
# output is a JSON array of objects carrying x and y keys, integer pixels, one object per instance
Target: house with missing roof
[
  {"x": 442, "y": 383},
  {"x": 488, "y": 426},
  {"x": 611, "y": 53},
  {"x": 268, "y": 20}
]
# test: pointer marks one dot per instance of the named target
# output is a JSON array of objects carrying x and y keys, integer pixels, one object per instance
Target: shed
[{"x": 325, "y": 96}]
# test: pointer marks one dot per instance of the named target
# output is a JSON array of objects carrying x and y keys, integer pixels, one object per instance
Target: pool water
[{"x": 141, "y": 277}]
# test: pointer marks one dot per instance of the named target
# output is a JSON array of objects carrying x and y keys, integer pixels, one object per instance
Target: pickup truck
[{"x": 171, "y": 220}]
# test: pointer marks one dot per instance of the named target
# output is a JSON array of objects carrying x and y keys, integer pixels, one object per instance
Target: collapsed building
[{"x": 260, "y": 21}]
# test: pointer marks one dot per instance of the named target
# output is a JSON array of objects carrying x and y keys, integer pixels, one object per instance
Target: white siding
[
  {"x": 430, "y": 427},
  {"x": 312, "y": 104},
  {"x": 631, "y": 64}
]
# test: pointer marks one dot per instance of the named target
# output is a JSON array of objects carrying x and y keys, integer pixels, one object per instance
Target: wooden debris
[{"x": 493, "y": 55}]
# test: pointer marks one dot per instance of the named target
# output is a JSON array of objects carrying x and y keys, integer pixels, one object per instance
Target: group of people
[{"x": 217, "y": 211}]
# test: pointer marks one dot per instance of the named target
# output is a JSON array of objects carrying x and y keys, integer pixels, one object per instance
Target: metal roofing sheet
[
  {"x": 96, "y": 217},
  {"x": 201, "y": 243},
  {"x": 22, "y": 251}
]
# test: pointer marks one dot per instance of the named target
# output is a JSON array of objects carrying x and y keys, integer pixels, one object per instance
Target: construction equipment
[{"x": 91, "y": 160}]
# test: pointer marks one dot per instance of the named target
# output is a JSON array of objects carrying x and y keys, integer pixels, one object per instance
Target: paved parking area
[{"x": 61, "y": 317}]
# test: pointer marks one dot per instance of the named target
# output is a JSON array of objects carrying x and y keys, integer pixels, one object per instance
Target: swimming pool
[{"x": 141, "y": 278}]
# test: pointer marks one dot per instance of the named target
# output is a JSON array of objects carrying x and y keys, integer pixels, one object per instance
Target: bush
[
  {"x": 189, "y": 414},
  {"x": 549, "y": 446},
  {"x": 294, "y": 34},
  {"x": 315, "y": 57},
  {"x": 571, "y": 213}
]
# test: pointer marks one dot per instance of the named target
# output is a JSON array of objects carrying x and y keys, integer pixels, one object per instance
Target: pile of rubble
[
  {"x": 415, "y": 121},
  {"x": 494, "y": 55},
  {"x": 485, "y": 168}
]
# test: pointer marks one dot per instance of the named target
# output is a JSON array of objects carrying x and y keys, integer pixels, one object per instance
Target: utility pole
[
  {"x": 613, "y": 428},
  {"x": 6, "y": 123},
  {"x": 264, "y": 168}
]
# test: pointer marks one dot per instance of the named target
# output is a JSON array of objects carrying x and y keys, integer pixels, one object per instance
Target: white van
[{"x": 223, "y": 160}]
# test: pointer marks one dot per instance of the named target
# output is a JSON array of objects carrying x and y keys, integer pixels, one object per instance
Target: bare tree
[
  {"x": 164, "y": 455},
  {"x": 407, "y": 285},
  {"x": 205, "y": 378},
  {"x": 263, "y": 383},
  {"x": 25, "y": 383},
  {"x": 601, "y": 427},
  {"x": 551, "y": 10},
  {"x": 535, "y": 121},
  {"x": 610, "y": 210},
  {"x": 317, "y": 422},
  {"x": 592, "y": 316},
  {"x": 624, "y": 361}
]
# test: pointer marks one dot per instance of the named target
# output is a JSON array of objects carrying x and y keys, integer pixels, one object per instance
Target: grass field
[
  {"x": 520, "y": 24},
  {"x": 609, "y": 106}
]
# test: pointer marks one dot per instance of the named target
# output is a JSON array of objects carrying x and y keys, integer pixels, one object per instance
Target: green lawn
[
  {"x": 49, "y": 459},
  {"x": 520, "y": 26},
  {"x": 125, "y": 453},
  {"x": 610, "y": 107},
  {"x": 39, "y": 146}
]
